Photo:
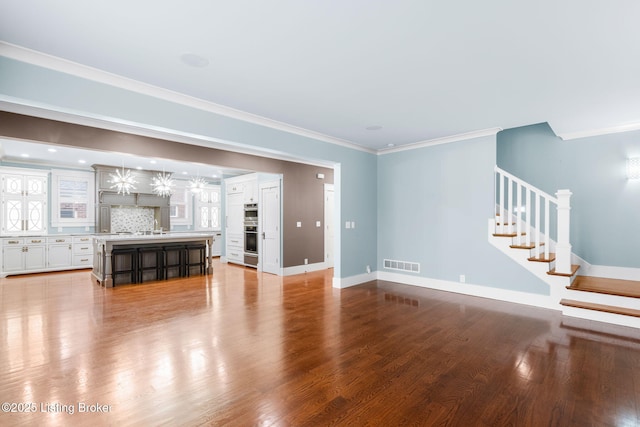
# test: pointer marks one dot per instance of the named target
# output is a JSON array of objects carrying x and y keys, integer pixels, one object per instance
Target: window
[
  {"x": 73, "y": 198},
  {"x": 180, "y": 205}
]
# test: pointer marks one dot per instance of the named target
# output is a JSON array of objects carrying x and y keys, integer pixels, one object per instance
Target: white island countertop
[{"x": 150, "y": 238}]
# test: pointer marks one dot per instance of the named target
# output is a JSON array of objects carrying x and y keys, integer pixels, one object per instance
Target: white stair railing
[{"x": 531, "y": 217}]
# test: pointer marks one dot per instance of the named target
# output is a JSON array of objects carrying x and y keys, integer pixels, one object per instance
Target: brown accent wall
[{"x": 302, "y": 192}]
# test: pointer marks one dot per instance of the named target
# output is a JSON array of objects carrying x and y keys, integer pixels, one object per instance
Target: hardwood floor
[{"x": 239, "y": 348}]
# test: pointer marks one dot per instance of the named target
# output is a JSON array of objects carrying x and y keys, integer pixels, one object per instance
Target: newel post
[{"x": 563, "y": 245}]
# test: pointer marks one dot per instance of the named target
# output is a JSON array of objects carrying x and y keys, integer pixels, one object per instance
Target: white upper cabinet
[{"x": 24, "y": 201}]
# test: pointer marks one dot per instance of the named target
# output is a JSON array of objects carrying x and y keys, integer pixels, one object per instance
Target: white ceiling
[{"x": 419, "y": 69}]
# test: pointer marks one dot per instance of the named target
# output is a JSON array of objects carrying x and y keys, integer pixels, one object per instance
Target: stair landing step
[
  {"x": 623, "y": 288},
  {"x": 574, "y": 269},
  {"x": 600, "y": 307},
  {"x": 541, "y": 258}
]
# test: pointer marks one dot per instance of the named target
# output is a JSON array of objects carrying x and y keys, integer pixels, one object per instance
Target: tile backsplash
[{"x": 131, "y": 219}]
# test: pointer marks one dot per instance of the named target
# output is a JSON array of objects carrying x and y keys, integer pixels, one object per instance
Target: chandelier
[
  {"x": 123, "y": 181},
  {"x": 162, "y": 184},
  {"x": 196, "y": 185}
]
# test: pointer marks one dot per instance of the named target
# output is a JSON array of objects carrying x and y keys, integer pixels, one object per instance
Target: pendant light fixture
[
  {"x": 123, "y": 180},
  {"x": 196, "y": 185},
  {"x": 162, "y": 184}
]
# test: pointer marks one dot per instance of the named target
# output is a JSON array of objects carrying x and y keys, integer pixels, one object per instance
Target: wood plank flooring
[{"x": 240, "y": 348}]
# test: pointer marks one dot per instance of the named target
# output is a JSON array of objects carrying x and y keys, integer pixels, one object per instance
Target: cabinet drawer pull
[
  {"x": 84, "y": 260},
  {"x": 84, "y": 239},
  {"x": 84, "y": 249},
  {"x": 60, "y": 240},
  {"x": 36, "y": 241},
  {"x": 13, "y": 242}
]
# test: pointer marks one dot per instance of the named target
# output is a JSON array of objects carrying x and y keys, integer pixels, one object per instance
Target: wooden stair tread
[
  {"x": 525, "y": 246},
  {"x": 601, "y": 307},
  {"x": 623, "y": 288},
  {"x": 508, "y": 234},
  {"x": 541, "y": 258},
  {"x": 574, "y": 269}
]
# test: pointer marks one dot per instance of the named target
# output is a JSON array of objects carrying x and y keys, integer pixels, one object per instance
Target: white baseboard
[
  {"x": 359, "y": 279},
  {"x": 306, "y": 268},
  {"x": 536, "y": 300}
]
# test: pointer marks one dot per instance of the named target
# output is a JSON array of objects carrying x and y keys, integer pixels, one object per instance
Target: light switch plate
[{"x": 299, "y": 224}]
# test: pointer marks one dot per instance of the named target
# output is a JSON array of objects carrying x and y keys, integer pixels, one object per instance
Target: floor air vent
[{"x": 391, "y": 264}]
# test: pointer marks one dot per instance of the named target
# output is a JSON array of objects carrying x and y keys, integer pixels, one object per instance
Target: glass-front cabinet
[
  {"x": 208, "y": 206},
  {"x": 24, "y": 201}
]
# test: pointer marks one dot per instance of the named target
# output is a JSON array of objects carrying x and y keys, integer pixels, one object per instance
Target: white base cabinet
[
  {"x": 24, "y": 255},
  {"x": 59, "y": 251}
]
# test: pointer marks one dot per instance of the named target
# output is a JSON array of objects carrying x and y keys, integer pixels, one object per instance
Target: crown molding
[
  {"x": 40, "y": 59},
  {"x": 443, "y": 140},
  {"x": 597, "y": 132}
]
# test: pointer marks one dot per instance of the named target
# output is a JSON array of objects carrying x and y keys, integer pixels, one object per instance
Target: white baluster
[
  {"x": 496, "y": 198},
  {"x": 563, "y": 245},
  {"x": 528, "y": 216},
  {"x": 546, "y": 228},
  {"x": 502, "y": 212},
  {"x": 510, "y": 207},
  {"x": 538, "y": 214},
  {"x": 519, "y": 215}
]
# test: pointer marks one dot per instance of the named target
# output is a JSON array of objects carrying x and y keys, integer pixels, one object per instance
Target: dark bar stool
[
  {"x": 174, "y": 260},
  {"x": 124, "y": 261},
  {"x": 150, "y": 259},
  {"x": 196, "y": 257}
]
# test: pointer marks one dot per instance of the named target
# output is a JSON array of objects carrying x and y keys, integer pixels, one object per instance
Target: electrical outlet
[
  {"x": 299, "y": 224},
  {"x": 306, "y": 261},
  {"x": 368, "y": 269},
  {"x": 462, "y": 278}
]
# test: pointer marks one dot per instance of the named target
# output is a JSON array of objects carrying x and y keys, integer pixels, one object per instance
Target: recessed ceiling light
[
  {"x": 82, "y": 161},
  {"x": 391, "y": 145},
  {"x": 184, "y": 173},
  {"x": 51, "y": 150},
  {"x": 139, "y": 168},
  {"x": 24, "y": 155},
  {"x": 375, "y": 127},
  {"x": 194, "y": 60},
  {"x": 153, "y": 162}
]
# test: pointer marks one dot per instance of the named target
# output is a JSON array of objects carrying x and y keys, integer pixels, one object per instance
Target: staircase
[{"x": 523, "y": 227}]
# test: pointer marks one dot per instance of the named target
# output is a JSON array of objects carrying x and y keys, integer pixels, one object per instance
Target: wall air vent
[{"x": 412, "y": 267}]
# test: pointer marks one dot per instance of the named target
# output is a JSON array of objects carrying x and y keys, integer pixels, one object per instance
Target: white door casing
[
  {"x": 329, "y": 206},
  {"x": 270, "y": 231}
]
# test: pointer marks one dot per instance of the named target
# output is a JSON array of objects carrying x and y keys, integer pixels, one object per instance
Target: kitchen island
[{"x": 103, "y": 245}]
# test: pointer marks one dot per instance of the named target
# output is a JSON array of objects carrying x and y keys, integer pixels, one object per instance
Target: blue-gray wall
[
  {"x": 434, "y": 204},
  {"x": 33, "y": 85},
  {"x": 605, "y": 205}
]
